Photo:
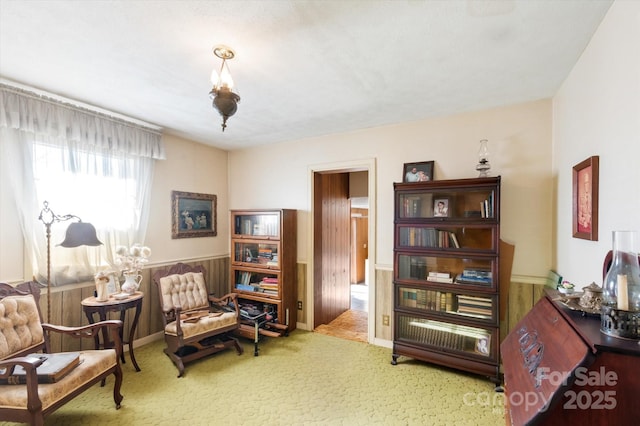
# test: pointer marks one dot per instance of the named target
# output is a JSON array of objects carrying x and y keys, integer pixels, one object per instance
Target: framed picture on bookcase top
[
  {"x": 585, "y": 199},
  {"x": 193, "y": 215},
  {"x": 418, "y": 172}
]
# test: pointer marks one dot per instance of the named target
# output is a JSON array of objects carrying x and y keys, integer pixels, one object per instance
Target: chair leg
[
  {"x": 239, "y": 347},
  {"x": 117, "y": 396},
  {"x": 177, "y": 361}
]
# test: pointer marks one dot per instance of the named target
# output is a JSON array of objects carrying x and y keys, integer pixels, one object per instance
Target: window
[
  {"x": 107, "y": 190},
  {"x": 93, "y": 165}
]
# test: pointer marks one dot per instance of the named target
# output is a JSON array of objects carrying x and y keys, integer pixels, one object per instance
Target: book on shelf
[
  {"x": 412, "y": 206},
  {"x": 440, "y": 280},
  {"x": 474, "y": 276},
  {"x": 454, "y": 239},
  {"x": 53, "y": 368},
  {"x": 439, "y": 274},
  {"x": 245, "y": 287}
]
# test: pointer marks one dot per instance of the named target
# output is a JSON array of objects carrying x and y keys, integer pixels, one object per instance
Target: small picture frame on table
[
  {"x": 441, "y": 207},
  {"x": 418, "y": 172},
  {"x": 585, "y": 199},
  {"x": 113, "y": 286}
]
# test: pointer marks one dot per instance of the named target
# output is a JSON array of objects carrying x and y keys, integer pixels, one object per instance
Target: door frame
[{"x": 368, "y": 165}]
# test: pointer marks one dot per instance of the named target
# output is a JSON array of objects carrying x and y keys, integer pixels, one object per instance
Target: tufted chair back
[
  {"x": 187, "y": 290},
  {"x": 20, "y": 327}
]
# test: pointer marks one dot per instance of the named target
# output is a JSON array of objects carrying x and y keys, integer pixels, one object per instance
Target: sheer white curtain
[{"x": 83, "y": 163}]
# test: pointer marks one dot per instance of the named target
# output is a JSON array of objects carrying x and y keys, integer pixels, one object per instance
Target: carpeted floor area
[{"x": 304, "y": 379}]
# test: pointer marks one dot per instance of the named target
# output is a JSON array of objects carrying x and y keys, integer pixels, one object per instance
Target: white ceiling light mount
[{"x": 224, "y": 99}]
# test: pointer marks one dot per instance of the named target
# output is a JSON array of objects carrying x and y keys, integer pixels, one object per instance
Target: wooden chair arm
[
  {"x": 29, "y": 364},
  {"x": 113, "y": 327},
  {"x": 173, "y": 314},
  {"x": 227, "y": 299}
]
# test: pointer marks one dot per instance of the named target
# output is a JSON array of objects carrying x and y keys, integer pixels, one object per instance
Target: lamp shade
[{"x": 80, "y": 234}]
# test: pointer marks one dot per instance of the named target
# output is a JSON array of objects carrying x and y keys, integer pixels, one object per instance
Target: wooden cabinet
[
  {"x": 559, "y": 369},
  {"x": 263, "y": 269},
  {"x": 445, "y": 274}
]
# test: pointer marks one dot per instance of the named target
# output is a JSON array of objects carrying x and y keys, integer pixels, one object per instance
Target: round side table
[{"x": 91, "y": 306}]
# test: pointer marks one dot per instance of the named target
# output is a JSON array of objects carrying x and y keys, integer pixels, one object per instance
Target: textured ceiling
[{"x": 302, "y": 68}]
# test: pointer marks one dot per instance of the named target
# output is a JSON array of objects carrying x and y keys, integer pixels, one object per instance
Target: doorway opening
[{"x": 341, "y": 251}]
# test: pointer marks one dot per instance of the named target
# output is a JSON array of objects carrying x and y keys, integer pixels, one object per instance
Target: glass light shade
[
  {"x": 621, "y": 286},
  {"x": 483, "y": 152},
  {"x": 225, "y": 77},
  {"x": 483, "y": 166}
]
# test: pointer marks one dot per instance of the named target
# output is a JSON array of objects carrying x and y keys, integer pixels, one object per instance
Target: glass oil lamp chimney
[
  {"x": 621, "y": 289},
  {"x": 483, "y": 159}
]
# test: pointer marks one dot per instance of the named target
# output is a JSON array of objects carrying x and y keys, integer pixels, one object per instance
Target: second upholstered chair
[{"x": 196, "y": 324}]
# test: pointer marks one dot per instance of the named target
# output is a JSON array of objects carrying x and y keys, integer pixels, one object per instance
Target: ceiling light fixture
[{"x": 224, "y": 99}]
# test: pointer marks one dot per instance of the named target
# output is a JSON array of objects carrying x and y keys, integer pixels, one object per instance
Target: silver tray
[{"x": 572, "y": 301}]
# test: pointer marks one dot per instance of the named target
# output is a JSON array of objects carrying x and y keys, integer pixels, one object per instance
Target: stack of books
[
  {"x": 269, "y": 285},
  {"x": 265, "y": 255},
  {"x": 475, "y": 306},
  {"x": 439, "y": 277},
  {"x": 474, "y": 276}
]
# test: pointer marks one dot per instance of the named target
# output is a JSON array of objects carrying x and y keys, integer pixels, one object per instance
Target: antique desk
[
  {"x": 91, "y": 306},
  {"x": 560, "y": 369}
]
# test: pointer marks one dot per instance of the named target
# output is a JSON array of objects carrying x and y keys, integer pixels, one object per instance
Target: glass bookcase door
[
  {"x": 451, "y": 204},
  {"x": 457, "y": 303},
  {"x": 446, "y": 271},
  {"x": 257, "y": 253},
  {"x": 447, "y": 337},
  {"x": 455, "y": 237},
  {"x": 257, "y": 225},
  {"x": 256, "y": 282}
]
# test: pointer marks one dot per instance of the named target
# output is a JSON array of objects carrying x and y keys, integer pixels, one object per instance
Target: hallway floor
[{"x": 351, "y": 324}]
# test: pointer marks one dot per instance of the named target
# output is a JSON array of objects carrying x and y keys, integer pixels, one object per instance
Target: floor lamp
[{"x": 78, "y": 234}]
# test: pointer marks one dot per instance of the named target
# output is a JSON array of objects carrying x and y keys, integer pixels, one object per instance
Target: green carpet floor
[{"x": 304, "y": 379}]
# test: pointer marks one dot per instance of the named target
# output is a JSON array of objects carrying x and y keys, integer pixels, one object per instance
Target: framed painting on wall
[
  {"x": 585, "y": 199},
  {"x": 193, "y": 215}
]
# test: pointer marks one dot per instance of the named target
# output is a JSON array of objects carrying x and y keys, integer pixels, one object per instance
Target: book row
[
  {"x": 433, "y": 300},
  {"x": 437, "y": 335},
  {"x": 428, "y": 237}
]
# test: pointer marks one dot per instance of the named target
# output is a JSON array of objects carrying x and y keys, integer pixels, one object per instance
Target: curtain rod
[{"x": 50, "y": 98}]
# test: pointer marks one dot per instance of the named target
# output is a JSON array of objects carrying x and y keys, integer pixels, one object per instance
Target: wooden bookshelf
[
  {"x": 446, "y": 272},
  {"x": 263, "y": 270}
]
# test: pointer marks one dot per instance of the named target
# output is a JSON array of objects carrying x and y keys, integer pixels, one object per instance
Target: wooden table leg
[{"x": 132, "y": 333}]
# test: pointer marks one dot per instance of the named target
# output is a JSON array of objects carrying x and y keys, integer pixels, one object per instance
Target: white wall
[
  {"x": 597, "y": 112},
  {"x": 277, "y": 176},
  {"x": 190, "y": 167}
]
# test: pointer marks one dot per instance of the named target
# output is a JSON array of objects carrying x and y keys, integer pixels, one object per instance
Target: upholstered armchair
[
  {"x": 196, "y": 324},
  {"x": 22, "y": 332}
]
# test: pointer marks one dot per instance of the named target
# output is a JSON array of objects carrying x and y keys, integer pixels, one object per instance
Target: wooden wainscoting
[
  {"x": 522, "y": 296},
  {"x": 67, "y": 310}
]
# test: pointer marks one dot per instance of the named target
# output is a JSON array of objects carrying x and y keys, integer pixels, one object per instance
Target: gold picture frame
[{"x": 193, "y": 215}]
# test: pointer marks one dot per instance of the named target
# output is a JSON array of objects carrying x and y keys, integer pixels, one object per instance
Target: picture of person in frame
[{"x": 441, "y": 208}]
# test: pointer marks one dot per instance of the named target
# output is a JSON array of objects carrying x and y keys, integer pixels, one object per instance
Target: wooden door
[{"x": 331, "y": 246}]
